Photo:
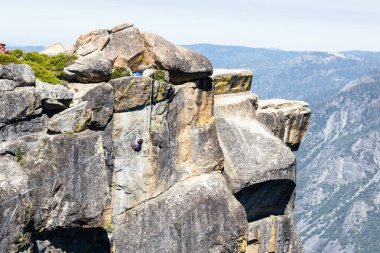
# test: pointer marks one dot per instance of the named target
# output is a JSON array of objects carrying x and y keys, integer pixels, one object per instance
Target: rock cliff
[{"x": 211, "y": 176}]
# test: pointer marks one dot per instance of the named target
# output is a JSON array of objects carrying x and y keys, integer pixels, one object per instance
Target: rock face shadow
[
  {"x": 73, "y": 240},
  {"x": 265, "y": 199}
]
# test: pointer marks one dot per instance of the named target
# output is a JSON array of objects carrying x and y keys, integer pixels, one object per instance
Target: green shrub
[
  {"x": 43, "y": 74},
  {"x": 46, "y": 68},
  {"x": 59, "y": 62},
  {"x": 120, "y": 72},
  {"x": 6, "y": 59},
  {"x": 19, "y": 158},
  {"x": 16, "y": 53},
  {"x": 41, "y": 59}
]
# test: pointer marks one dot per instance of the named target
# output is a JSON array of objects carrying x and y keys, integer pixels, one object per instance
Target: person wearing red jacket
[{"x": 3, "y": 50}]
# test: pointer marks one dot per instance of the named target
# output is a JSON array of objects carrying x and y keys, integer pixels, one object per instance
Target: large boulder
[
  {"x": 92, "y": 68},
  {"x": 100, "y": 98},
  {"x": 92, "y": 41},
  {"x": 231, "y": 80},
  {"x": 288, "y": 120},
  {"x": 19, "y": 104},
  {"x": 268, "y": 157},
  {"x": 183, "y": 64},
  {"x": 73, "y": 120},
  {"x": 54, "y": 98},
  {"x": 58, "y": 49},
  {"x": 53, "y": 91},
  {"x": 132, "y": 92},
  {"x": 22, "y": 74},
  {"x": 262, "y": 178},
  {"x": 196, "y": 215},
  {"x": 122, "y": 45},
  {"x": 126, "y": 47}
]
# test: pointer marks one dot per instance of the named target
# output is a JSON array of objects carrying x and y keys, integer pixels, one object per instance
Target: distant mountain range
[
  {"x": 309, "y": 76},
  {"x": 27, "y": 48},
  {"x": 338, "y": 204},
  {"x": 338, "y": 188}
]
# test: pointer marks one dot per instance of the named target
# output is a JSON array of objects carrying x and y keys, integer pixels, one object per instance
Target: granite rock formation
[
  {"x": 288, "y": 120},
  {"x": 58, "y": 49},
  {"x": 209, "y": 176},
  {"x": 231, "y": 80}
]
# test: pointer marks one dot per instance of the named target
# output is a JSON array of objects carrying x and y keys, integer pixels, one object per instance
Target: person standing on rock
[
  {"x": 3, "y": 50},
  {"x": 136, "y": 145}
]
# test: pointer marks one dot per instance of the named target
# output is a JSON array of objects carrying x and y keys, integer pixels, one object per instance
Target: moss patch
[
  {"x": 82, "y": 125},
  {"x": 159, "y": 75},
  {"x": 120, "y": 72}
]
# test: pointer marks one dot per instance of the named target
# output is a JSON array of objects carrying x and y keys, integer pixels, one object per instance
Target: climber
[
  {"x": 3, "y": 50},
  {"x": 136, "y": 145}
]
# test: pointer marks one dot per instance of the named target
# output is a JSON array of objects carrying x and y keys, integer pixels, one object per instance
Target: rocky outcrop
[
  {"x": 73, "y": 120},
  {"x": 100, "y": 101},
  {"x": 125, "y": 46},
  {"x": 263, "y": 179},
  {"x": 20, "y": 74},
  {"x": 132, "y": 92},
  {"x": 183, "y": 64},
  {"x": 278, "y": 230},
  {"x": 92, "y": 68},
  {"x": 122, "y": 45},
  {"x": 231, "y": 80},
  {"x": 197, "y": 215},
  {"x": 58, "y": 49},
  {"x": 177, "y": 145},
  {"x": 19, "y": 104},
  {"x": 54, "y": 98},
  {"x": 238, "y": 129},
  {"x": 209, "y": 177},
  {"x": 288, "y": 120}
]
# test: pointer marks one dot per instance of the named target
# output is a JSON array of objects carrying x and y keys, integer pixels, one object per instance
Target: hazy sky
[{"x": 327, "y": 25}]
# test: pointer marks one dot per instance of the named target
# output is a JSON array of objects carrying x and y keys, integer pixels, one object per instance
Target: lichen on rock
[{"x": 231, "y": 80}]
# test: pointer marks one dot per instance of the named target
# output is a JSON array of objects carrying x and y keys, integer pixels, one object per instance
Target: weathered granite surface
[
  {"x": 288, "y": 120},
  {"x": 231, "y": 80},
  {"x": 209, "y": 176}
]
